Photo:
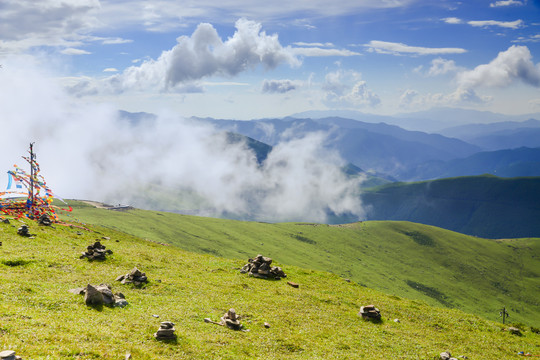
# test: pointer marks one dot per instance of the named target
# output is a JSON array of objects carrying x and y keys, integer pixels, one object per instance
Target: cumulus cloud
[
  {"x": 506, "y": 3},
  {"x": 514, "y": 64},
  {"x": 346, "y": 88},
  {"x": 201, "y": 55},
  {"x": 87, "y": 151},
  {"x": 452, "y": 20},
  {"x": 385, "y": 47},
  {"x": 505, "y": 24},
  {"x": 279, "y": 86},
  {"x": 440, "y": 66}
]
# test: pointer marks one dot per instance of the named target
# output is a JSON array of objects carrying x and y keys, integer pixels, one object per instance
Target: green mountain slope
[
  {"x": 438, "y": 266},
  {"x": 486, "y": 206},
  {"x": 40, "y": 319}
]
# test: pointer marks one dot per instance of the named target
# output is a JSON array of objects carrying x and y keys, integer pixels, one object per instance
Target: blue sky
[{"x": 245, "y": 59}]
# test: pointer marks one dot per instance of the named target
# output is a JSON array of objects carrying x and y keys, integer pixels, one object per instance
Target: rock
[
  {"x": 260, "y": 267},
  {"x": 230, "y": 319},
  {"x": 370, "y": 312},
  {"x": 445, "y": 355},
  {"x": 514, "y": 330},
  {"x": 166, "y": 331},
  {"x": 294, "y": 285},
  {"x": 7, "y": 354},
  {"x": 135, "y": 277},
  {"x": 5, "y": 221},
  {"x": 45, "y": 220},
  {"x": 77, "y": 291},
  {"x": 95, "y": 251},
  {"x": 397, "y": 321},
  {"x": 92, "y": 296},
  {"x": 23, "y": 231},
  {"x": 266, "y": 325}
]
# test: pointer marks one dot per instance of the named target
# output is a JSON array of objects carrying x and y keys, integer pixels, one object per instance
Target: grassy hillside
[
  {"x": 409, "y": 260},
  {"x": 40, "y": 319},
  {"x": 486, "y": 206}
]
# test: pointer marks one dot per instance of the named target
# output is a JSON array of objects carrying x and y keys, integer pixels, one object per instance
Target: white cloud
[
  {"x": 452, "y": 20},
  {"x": 347, "y": 89},
  {"x": 72, "y": 51},
  {"x": 158, "y": 164},
  {"x": 317, "y": 51},
  {"x": 530, "y": 38},
  {"x": 110, "y": 70},
  {"x": 201, "y": 55},
  {"x": 412, "y": 99},
  {"x": 305, "y": 44},
  {"x": 407, "y": 98},
  {"x": 506, "y": 3},
  {"x": 279, "y": 86},
  {"x": 440, "y": 66},
  {"x": 514, "y": 64},
  {"x": 505, "y": 24},
  {"x": 384, "y": 47}
]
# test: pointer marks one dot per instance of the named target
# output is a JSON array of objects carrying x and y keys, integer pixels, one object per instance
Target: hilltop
[
  {"x": 40, "y": 319},
  {"x": 440, "y": 267}
]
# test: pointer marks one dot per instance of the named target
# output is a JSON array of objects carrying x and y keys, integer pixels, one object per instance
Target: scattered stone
[
  {"x": 267, "y": 325},
  {"x": 347, "y": 280},
  {"x": 95, "y": 252},
  {"x": 370, "y": 312},
  {"x": 5, "y": 221},
  {"x": 135, "y": 277},
  {"x": 447, "y": 356},
  {"x": 397, "y": 321},
  {"x": 230, "y": 319},
  {"x": 128, "y": 356},
  {"x": 45, "y": 220},
  {"x": 0, "y": 243},
  {"x": 260, "y": 267},
  {"x": 156, "y": 316},
  {"x": 100, "y": 295},
  {"x": 93, "y": 297},
  {"x": 105, "y": 238},
  {"x": 166, "y": 331},
  {"x": 9, "y": 355},
  {"x": 210, "y": 321},
  {"x": 294, "y": 285},
  {"x": 514, "y": 330},
  {"x": 24, "y": 231}
]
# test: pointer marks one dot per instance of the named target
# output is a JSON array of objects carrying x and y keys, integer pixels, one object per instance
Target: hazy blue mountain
[
  {"x": 485, "y": 206},
  {"x": 472, "y": 131},
  {"x": 504, "y": 163},
  {"x": 379, "y": 148}
]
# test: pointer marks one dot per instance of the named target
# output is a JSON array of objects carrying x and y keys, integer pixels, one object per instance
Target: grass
[
  {"x": 40, "y": 319},
  {"x": 475, "y": 275}
]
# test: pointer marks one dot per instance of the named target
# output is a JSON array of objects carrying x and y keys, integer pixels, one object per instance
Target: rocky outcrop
[
  {"x": 165, "y": 331},
  {"x": 135, "y": 277},
  {"x": 95, "y": 251},
  {"x": 260, "y": 267}
]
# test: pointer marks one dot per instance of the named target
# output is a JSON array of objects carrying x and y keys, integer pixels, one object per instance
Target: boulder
[
  {"x": 92, "y": 296},
  {"x": 370, "y": 312}
]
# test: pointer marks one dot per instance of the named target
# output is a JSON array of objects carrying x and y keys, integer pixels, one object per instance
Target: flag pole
[{"x": 31, "y": 207}]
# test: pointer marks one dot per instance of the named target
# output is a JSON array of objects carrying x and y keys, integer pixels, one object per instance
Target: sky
[
  {"x": 242, "y": 59},
  {"x": 68, "y": 66}
]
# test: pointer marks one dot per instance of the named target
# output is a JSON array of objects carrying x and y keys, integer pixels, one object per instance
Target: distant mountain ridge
[{"x": 485, "y": 206}]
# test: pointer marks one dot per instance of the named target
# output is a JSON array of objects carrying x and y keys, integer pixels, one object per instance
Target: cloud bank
[
  {"x": 195, "y": 57},
  {"x": 87, "y": 151}
]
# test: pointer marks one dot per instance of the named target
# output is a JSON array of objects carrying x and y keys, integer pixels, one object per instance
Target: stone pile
[
  {"x": 9, "y": 355},
  {"x": 260, "y": 267},
  {"x": 370, "y": 312},
  {"x": 45, "y": 220},
  {"x": 135, "y": 277},
  {"x": 24, "y": 231},
  {"x": 100, "y": 295},
  {"x": 95, "y": 252},
  {"x": 165, "y": 331},
  {"x": 231, "y": 320}
]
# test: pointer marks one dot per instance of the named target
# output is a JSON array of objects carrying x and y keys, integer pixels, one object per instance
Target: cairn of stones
[
  {"x": 135, "y": 277},
  {"x": 260, "y": 267},
  {"x": 44, "y": 220},
  {"x": 165, "y": 331},
  {"x": 231, "y": 320},
  {"x": 95, "y": 252},
  {"x": 24, "y": 231},
  {"x": 447, "y": 356},
  {"x": 9, "y": 355},
  {"x": 370, "y": 312},
  {"x": 100, "y": 295}
]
